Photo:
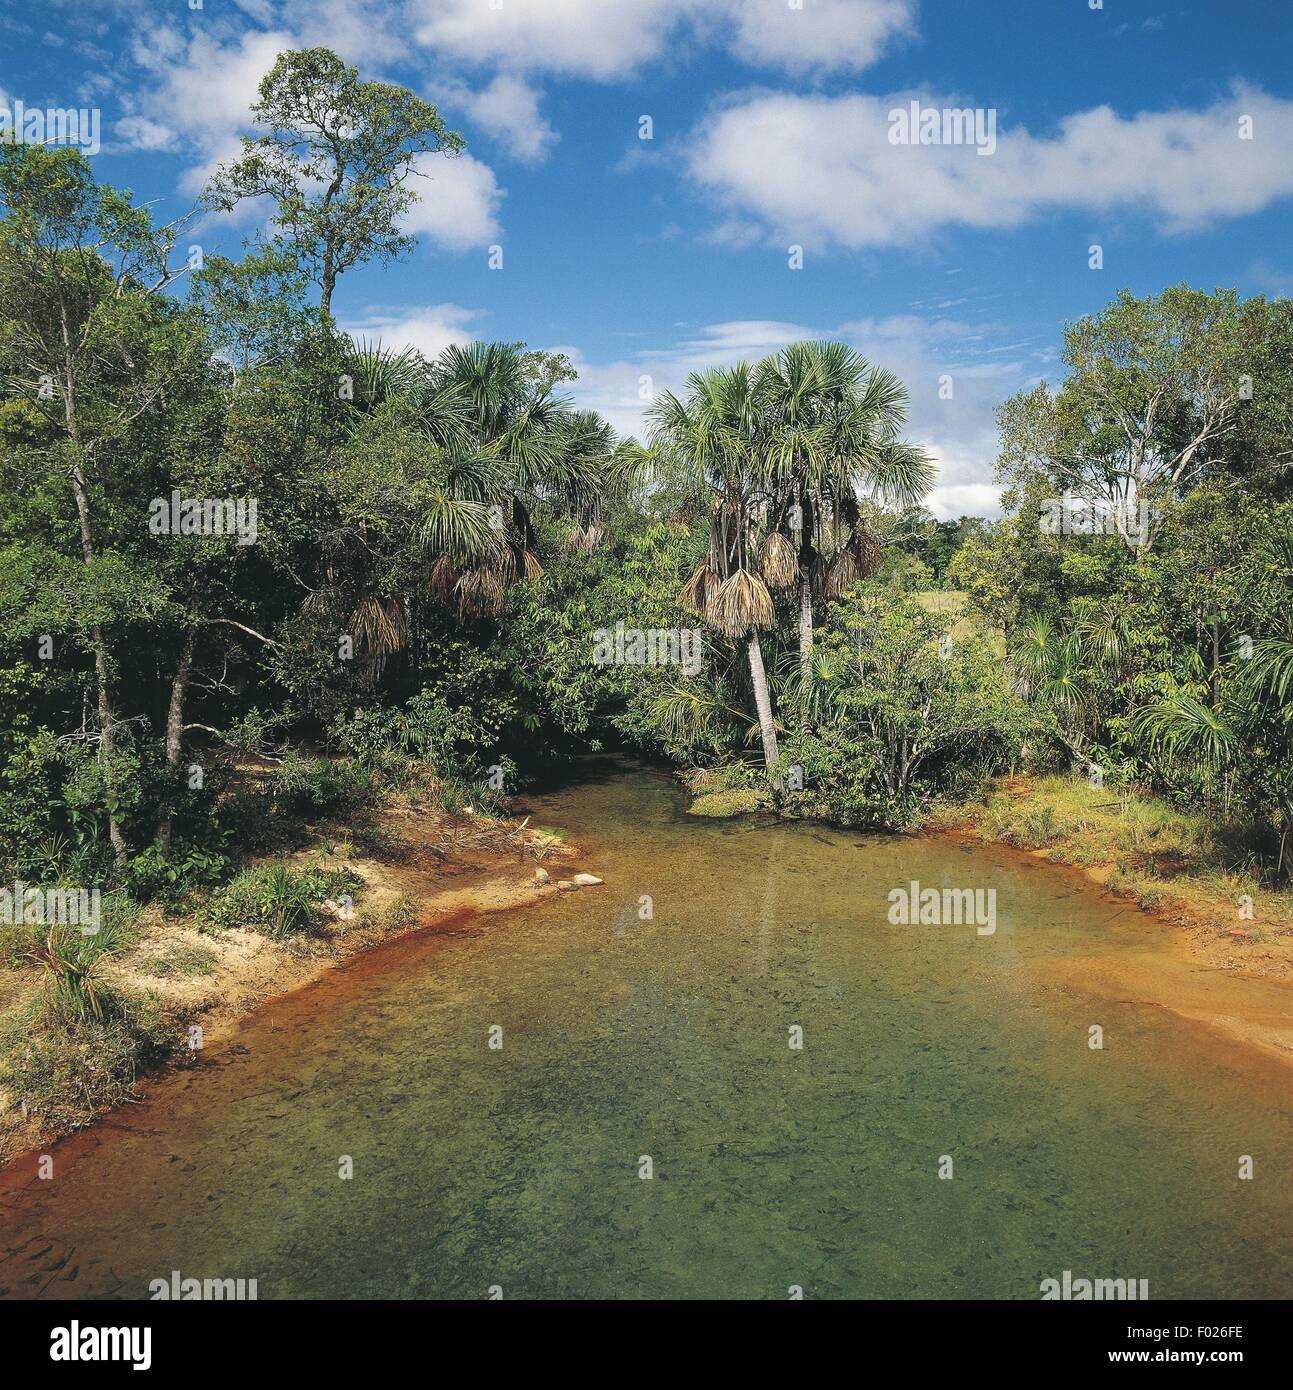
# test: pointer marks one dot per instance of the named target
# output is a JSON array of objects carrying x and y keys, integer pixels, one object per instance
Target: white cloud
[
  {"x": 139, "y": 133},
  {"x": 593, "y": 38},
  {"x": 820, "y": 170},
  {"x": 507, "y": 109},
  {"x": 587, "y": 37},
  {"x": 205, "y": 89},
  {"x": 960, "y": 432},
  {"x": 841, "y": 34},
  {"x": 430, "y": 328},
  {"x": 458, "y": 201}
]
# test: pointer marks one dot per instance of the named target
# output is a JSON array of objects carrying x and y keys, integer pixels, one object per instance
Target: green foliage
[
  {"x": 176, "y": 873},
  {"x": 280, "y": 900},
  {"x": 900, "y": 712},
  {"x": 66, "y": 1069},
  {"x": 319, "y": 788},
  {"x": 335, "y": 158}
]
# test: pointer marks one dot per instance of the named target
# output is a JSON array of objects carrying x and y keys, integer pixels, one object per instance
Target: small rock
[
  {"x": 565, "y": 885},
  {"x": 588, "y": 880},
  {"x": 541, "y": 876}
]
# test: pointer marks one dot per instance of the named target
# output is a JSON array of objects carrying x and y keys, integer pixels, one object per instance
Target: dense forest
[{"x": 236, "y": 538}]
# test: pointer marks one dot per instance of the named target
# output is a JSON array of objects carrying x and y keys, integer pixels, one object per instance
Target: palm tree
[
  {"x": 598, "y": 470},
  {"x": 716, "y": 435},
  {"x": 521, "y": 431},
  {"x": 833, "y": 423},
  {"x": 1256, "y": 712},
  {"x": 1046, "y": 668}
]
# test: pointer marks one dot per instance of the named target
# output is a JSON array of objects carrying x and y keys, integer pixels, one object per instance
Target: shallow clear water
[{"x": 668, "y": 1038}]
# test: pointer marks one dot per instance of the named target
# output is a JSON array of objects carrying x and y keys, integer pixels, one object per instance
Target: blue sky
[{"x": 1117, "y": 126}]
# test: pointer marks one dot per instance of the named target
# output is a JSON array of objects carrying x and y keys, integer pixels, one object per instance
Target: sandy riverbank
[
  {"x": 1206, "y": 971},
  {"x": 450, "y": 869}
]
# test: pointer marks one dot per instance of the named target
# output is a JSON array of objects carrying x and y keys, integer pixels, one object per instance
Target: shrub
[
  {"x": 153, "y": 873},
  {"x": 65, "y": 1069},
  {"x": 281, "y": 900},
  {"x": 317, "y": 788}
]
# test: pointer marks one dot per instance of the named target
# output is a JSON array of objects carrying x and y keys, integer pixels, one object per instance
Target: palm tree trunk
[
  {"x": 805, "y": 641},
  {"x": 805, "y": 603},
  {"x": 763, "y": 702}
]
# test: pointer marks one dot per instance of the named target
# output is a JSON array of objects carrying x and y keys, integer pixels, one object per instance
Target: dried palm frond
[
  {"x": 319, "y": 601},
  {"x": 742, "y": 601},
  {"x": 441, "y": 578},
  {"x": 868, "y": 552},
  {"x": 480, "y": 591},
  {"x": 841, "y": 574},
  {"x": 777, "y": 560},
  {"x": 587, "y": 538},
  {"x": 694, "y": 593},
  {"x": 379, "y": 626},
  {"x": 506, "y": 565},
  {"x": 530, "y": 567},
  {"x": 817, "y": 574}
]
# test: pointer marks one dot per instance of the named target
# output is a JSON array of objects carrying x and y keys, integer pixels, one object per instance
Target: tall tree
[
  {"x": 716, "y": 435},
  {"x": 84, "y": 335},
  {"x": 832, "y": 422},
  {"x": 336, "y": 158},
  {"x": 1162, "y": 394}
]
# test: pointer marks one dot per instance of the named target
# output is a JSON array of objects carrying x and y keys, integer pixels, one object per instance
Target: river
[{"x": 945, "y": 1130}]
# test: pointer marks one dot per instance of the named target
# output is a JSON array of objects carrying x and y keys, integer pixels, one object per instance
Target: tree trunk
[
  {"x": 759, "y": 679},
  {"x": 805, "y": 642},
  {"x": 175, "y": 728},
  {"x": 805, "y": 604},
  {"x": 98, "y": 638},
  {"x": 107, "y": 742}
]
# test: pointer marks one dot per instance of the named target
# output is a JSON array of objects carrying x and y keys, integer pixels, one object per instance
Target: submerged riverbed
[{"x": 626, "y": 1038}]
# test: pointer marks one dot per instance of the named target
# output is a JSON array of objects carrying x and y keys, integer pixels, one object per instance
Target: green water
[{"x": 668, "y": 1037}]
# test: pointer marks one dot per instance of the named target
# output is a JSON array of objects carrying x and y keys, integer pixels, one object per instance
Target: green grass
[
  {"x": 954, "y": 604},
  {"x": 182, "y": 960},
  {"x": 737, "y": 802},
  {"x": 63, "y": 1070},
  {"x": 282, "y": 901},
  {"x": 1169, "y": 860}
]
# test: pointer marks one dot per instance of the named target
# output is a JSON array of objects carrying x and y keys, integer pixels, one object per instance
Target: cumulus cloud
[
  {"x": 822, "y": 170},
  {"x": 954, "y": 376},
  {"x": 842, "y": 34},
  {"x": 139, "y": 133},
  {"x": 428, "y": 328},
  {"x": 458, "y": 202},
  {"x": 203, "y": 90},
  {"x": 591, "y": 38},
  {"x": 508, "y": 109}
]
